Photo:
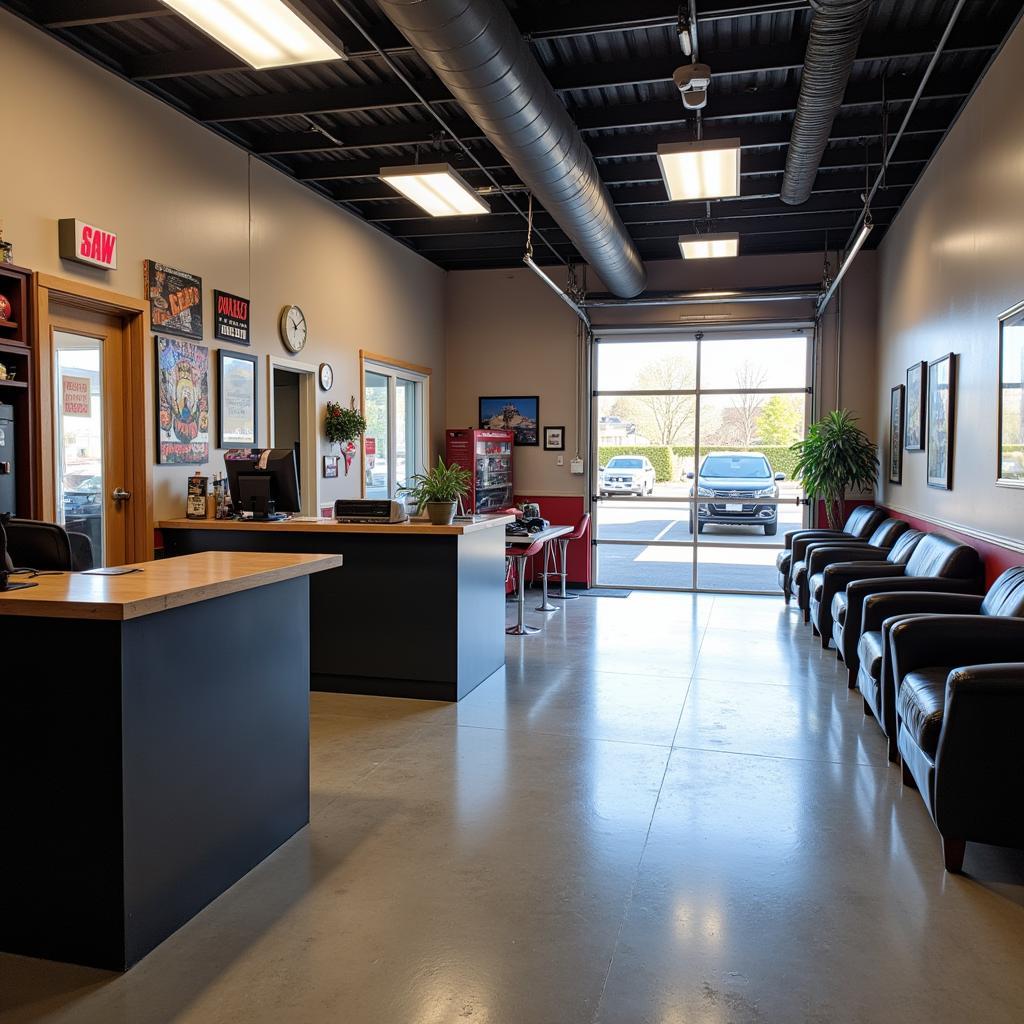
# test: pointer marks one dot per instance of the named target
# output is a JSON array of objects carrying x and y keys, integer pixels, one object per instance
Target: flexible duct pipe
[
  {"x": 474, "y": 47},
  {"x": 836, "y": 29}
]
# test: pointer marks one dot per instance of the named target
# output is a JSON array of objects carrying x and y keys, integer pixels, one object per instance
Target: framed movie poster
[
  {"x": 914, "y": 424},
  {"x": 1011, "y": 397},
  {"x": 941, "y": 410},
  {"x": 238, "y": 404},
  {"x": 518, "y": 414},
  {"x": 183, "y": 402},
  {"x": 175, "y": 300},
  {"x": 896, "y": 397},
  {"x": 230, "y": 318}
]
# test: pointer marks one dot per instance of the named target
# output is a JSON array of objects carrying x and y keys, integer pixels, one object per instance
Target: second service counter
[{"x": 418, "y": 611}]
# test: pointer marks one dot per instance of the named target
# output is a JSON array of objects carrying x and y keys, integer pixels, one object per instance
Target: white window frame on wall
[{"x": 395, "y": 370}]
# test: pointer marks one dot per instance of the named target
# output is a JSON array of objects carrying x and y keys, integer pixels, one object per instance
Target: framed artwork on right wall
[
  {"x": 913, "y": 433},
  {"x": 896, "y": 434},
  {"x": 1010, "y": 472},
  {"x": 941, "y": 425}
]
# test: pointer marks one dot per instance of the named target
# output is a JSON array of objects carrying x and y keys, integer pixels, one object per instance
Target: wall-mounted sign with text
[
  {"x": 230, "y": 318},
  {"x": 86, "y": 243}
]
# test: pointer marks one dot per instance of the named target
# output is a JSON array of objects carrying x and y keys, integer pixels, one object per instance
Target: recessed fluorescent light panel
[
  {"x": 707, "y": 169},
  {"x": 435, "y": 187},
  {"x": 264, "y": 33},
  {"x": 709, "y": 247}
]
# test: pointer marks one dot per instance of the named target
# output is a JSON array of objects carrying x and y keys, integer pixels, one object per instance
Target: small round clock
[
  {"x": 293, "y": 328},
  {"x": 326, "y": 376}
]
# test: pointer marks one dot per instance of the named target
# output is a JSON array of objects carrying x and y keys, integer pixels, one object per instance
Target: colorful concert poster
[
  {"x": 175, "y": 300},
  {"x": 183, "y": 405}
]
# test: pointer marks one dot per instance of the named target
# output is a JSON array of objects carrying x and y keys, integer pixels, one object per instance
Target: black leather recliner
[
  {"x": 47, "y": 546},
  {"x": 859, "y": 523},
  {"x": 936, "y": 563},
  {"x": 858, "y": 562},
  {"x": 820, "y": 553},
  {"x": 882, "y": 611},
  {"x": 958, "y": 725}
]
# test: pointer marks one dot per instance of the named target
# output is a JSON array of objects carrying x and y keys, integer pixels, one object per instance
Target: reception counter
[
  {"x": 418, "y": 611},
  {"x": 154, "y": 745}
]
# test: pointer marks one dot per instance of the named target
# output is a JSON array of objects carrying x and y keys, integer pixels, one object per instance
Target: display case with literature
[{"x": 487, "y": 455}]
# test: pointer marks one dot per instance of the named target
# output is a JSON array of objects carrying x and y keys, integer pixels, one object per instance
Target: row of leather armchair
[{"x": 938, "y": 662}]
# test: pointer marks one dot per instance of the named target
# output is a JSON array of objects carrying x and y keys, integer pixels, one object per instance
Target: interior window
[{"x": 395, "y": 405}]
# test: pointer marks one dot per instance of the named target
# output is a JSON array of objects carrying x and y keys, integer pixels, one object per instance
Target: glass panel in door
[
  {"x": 407, "y": 419},
  {"x": 377, "y": 435},
  {"x": 81, "y": 486}
]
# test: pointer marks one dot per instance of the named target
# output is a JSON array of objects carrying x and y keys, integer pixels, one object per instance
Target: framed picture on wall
[
  {"x": 331, "y": 467},
  {"x": 1011, "y": 398},
  {"x": 914, "y": 423},
  {"x": 237, "y": 381},
  {"x": 175, "y": 300},
  {"x": 941, "y": 415},
  {"x": 516, "y": 413},
  {"x": 554, "y": 439},
  {"x": 896, "y": 397},
  {"x": 183, "y": 402}
]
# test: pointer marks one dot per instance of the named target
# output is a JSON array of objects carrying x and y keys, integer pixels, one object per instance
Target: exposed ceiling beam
[
  {"x": 599, "y": 75},
  {"x": 755, "y": 59},
  {"x": 632, "y": 115},
  {"x": 645, "y": 143},
  {"x": 55, "y": 14}
]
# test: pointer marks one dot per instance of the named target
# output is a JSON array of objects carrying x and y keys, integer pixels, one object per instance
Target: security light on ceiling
[
  {"x": 440, "y": 190},
  {"x": 264, "y": 33},
  {"x": 709, "y": 247},
  {"x": 703, "y": 169}
]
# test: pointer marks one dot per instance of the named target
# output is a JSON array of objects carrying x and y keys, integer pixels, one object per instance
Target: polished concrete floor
[{"x": 668, "y": 810}]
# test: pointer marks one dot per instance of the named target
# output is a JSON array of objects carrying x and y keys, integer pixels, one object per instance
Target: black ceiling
[{"x": 611, "y": 61}]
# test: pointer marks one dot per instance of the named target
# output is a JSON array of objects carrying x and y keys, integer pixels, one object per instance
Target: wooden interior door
[{"x": 92, "y": 486}]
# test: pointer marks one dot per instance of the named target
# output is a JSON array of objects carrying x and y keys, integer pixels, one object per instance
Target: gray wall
[{"x": 951, "y": 263}]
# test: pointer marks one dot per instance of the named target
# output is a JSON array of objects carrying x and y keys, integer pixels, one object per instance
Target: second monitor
[{"x": 264, "y": 482}]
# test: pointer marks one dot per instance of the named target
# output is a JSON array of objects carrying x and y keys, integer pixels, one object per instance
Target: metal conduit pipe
[
  {"x": 476, "y": 50},
  {"x": 836, "y": 29},
  {"x": 809, "y": 292}
]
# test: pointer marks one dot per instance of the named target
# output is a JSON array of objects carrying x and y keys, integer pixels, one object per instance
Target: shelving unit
[{"x": 17, "y": 354}]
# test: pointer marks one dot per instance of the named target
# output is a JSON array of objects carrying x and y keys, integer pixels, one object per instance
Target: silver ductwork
[
  {"x": 475, "y": 48},
  {"x": 836, "y": 28}
]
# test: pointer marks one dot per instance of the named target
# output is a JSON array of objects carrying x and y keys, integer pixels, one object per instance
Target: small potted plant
[{"x": 438, "y": 491}]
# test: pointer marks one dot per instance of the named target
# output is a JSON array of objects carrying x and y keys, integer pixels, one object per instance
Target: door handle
[{"x": 120, "y": 494}]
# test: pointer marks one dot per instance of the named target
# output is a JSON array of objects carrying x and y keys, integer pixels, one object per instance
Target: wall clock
[
  {"x": 326, "y": 376},
  {"x": 293, "y": 328}
]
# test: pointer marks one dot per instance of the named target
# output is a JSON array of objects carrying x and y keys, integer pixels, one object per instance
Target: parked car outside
[
  {"x": 627, "y": 474},
  {"x": 735, "y": 480}
]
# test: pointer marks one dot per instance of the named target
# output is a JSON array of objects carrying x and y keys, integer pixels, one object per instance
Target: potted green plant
[
  {"x": 835, "y": 457},
  {"x": 438, "y": 491},
  {"x": 342, "y": 425}
]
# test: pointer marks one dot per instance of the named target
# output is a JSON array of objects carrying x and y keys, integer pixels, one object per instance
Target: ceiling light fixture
[
  {"x": 702, "y": 169},
  {"x": 264, "y": 33},
  {"x": 845, "y": 266},
  {"x": 709, "y": 247},
  {"x": 437, "y": 188}
]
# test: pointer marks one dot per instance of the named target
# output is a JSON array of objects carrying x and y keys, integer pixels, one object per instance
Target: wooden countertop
[
  {"x": 167, "y": 583},
  {"x": 300, "y": 524}
]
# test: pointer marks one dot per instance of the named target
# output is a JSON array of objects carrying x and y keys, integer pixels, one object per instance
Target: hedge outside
[
  {"x": 780, "y": 457},
  {"x": 667, "y": 460},
  {"x": 660, "y": 456}
]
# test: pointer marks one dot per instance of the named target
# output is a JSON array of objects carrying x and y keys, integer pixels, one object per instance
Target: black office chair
[{"x": 47, "y": 547}]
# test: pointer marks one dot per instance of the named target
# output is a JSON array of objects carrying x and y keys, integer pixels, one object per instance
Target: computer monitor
[{"x": 263, "y": 481}]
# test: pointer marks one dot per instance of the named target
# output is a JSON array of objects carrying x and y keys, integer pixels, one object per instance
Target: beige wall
[
  {"x": 508, "y": 334},
  {"x": 100, "y": 150},
  {"x": 951, "y": 263}
]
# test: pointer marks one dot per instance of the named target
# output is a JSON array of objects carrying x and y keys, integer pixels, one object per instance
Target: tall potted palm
[{"x": 836, "y": 457}]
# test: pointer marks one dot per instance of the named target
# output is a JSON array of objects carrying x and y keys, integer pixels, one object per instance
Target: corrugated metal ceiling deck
[{"x": 611, "y": 62}]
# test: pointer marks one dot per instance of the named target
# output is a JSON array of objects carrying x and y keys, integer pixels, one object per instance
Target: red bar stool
[
  {"x": 519, "y": 554},
  {"x": 558, "y": 558}
]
